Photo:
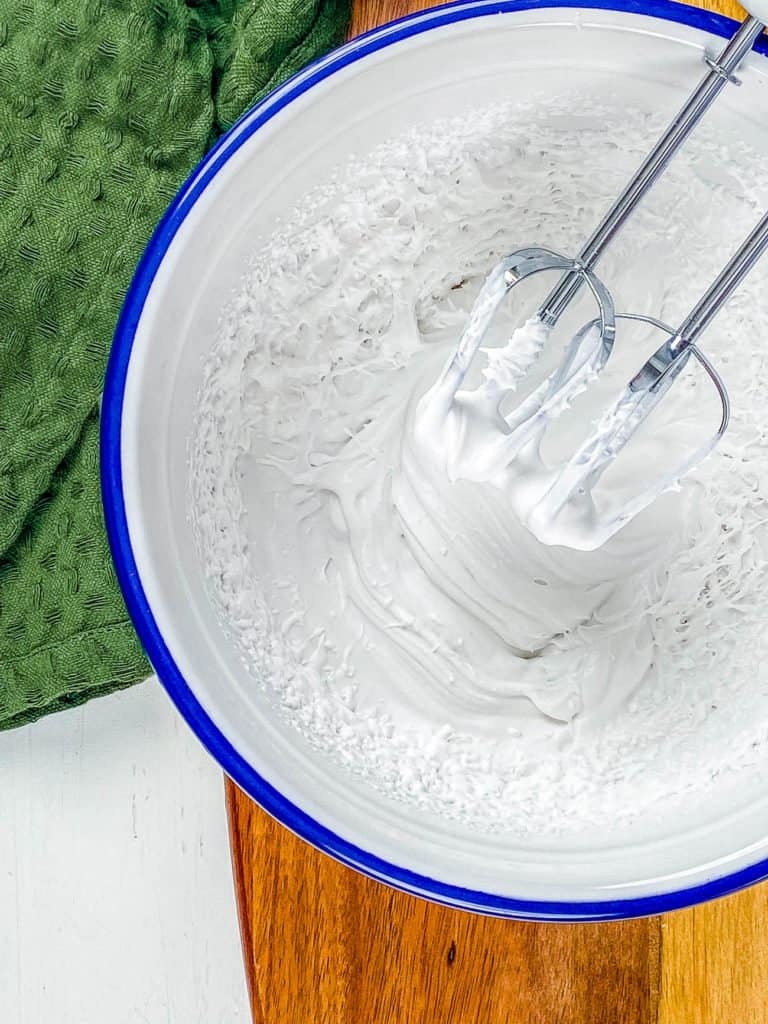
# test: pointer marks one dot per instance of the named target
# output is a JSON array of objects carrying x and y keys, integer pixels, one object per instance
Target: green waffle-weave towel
[{"x": 105, "y": 107}]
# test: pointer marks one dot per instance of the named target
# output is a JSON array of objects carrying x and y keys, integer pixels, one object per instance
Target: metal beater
[{"x": 566, "y": 492}]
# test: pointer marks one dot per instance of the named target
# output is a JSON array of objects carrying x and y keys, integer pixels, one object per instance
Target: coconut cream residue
[{"x": 367, "y": 560}]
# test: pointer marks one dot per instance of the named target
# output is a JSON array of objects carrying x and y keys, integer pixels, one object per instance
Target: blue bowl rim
[{"x": 236, "y": 767}]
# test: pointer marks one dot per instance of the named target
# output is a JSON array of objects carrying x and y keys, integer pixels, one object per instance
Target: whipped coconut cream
[{"x": 361, "y": 546}]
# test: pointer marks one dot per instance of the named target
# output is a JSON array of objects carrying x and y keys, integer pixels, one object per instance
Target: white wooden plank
[{"x": 116, "y": 899}]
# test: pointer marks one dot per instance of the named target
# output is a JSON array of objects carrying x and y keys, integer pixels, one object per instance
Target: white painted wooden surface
[{"x": 116, "y": 900}]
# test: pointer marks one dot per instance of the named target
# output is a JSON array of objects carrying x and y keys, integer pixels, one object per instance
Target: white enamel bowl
[{"x": 425, "y": 67}]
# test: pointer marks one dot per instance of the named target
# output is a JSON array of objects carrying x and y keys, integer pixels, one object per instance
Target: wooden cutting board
[{"x": 323, "y": 945}]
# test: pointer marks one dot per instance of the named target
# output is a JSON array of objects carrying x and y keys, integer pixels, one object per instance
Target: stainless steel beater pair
[{"x": 566, "y": 492}]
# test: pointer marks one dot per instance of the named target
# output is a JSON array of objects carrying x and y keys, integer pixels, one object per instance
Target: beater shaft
[
  {"x": 727, "y": 281},
  {"x": 651, "y": 375},
  {"x": 720, "y": 73}
]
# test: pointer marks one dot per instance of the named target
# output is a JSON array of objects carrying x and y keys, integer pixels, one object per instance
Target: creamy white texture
[{"x": 395, "y": 608}]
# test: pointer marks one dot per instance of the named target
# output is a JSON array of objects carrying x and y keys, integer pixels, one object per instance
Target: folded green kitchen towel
[{"x": 105, "y": 107}]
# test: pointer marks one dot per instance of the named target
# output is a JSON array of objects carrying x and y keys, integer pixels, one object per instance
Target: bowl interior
[{"x": 628, "y": 59}]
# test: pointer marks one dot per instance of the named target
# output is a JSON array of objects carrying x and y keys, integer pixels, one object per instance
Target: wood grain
[
  {"x": 367, "y": 14},
  {"x": 728, "y": 7},
  {"x": 323, "y": 945},
  {"x": 715, "y": 962}
]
